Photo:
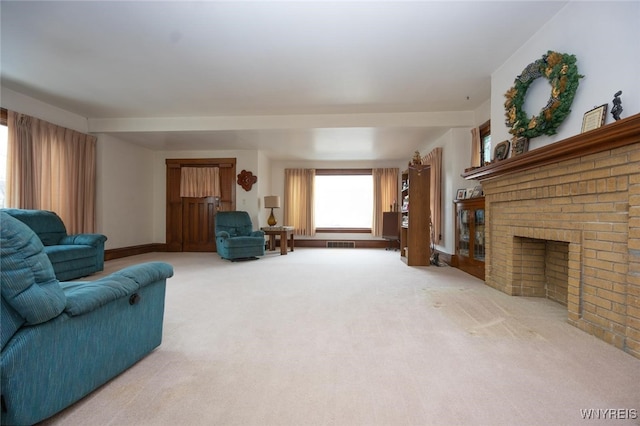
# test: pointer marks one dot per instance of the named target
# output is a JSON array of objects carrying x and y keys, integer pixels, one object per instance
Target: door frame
[{"x": 174, "y": 224}]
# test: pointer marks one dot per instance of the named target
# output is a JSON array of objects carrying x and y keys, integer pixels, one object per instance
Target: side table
[{"x": 285, "y": 233}]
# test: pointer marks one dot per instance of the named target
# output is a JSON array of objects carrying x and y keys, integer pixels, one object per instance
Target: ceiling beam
[{"x": 294, "y": 121}]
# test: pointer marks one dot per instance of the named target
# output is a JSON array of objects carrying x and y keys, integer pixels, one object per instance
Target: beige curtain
[
  {"x": 434, "y": 159},
  {"x": 200, "y": 182},
  {"x": 475, "y": 147},
  {"x": 51, "y": 168},
  {"x": 298, "y": 200},
  {"x": 385, "y": 196}
]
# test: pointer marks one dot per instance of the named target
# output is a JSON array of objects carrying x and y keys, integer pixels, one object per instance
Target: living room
[
  {"x": 140, "y": 178},
  {"x": 131, "y": 197}
]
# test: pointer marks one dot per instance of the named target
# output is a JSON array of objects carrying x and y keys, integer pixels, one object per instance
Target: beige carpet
[{"x": 356, "y": 337}]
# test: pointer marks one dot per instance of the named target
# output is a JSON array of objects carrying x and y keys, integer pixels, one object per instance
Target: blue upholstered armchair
[
  {"x": 235, "y": 237},
  {"x": 62, "y": 340},
  {"x": 72, "y": 256}
]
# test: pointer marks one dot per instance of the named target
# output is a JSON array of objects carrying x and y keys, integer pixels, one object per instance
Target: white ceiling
[{"x": 343, "y": 80}]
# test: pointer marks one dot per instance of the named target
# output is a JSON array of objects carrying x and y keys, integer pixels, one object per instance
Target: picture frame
[
  {"x": 477, "y": 192},
  {"x": 461, "y": 194},
  {"x": 501, "y": 151},
  {"x": 594, "y": 118},
  {"x": 520, "y": 146}
]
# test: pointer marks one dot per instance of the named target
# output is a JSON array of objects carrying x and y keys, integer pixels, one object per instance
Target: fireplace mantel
[{"x": 614, "y": 135}]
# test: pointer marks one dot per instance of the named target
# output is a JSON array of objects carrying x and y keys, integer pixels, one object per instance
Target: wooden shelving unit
[{"x": 415, "y": 235}]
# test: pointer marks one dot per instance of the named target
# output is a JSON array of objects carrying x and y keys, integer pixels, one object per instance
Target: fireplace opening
[{"x": 541, "y": 268}]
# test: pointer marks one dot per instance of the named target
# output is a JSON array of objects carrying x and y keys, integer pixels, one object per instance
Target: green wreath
[{"x": 561, "y": 71}]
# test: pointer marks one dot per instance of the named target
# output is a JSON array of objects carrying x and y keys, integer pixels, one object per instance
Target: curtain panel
[
  {"x": 434, "y": 160},
  {"x": 52, "y": 168},
  {"x": 298, "y": 200},
  {"x": 199, "y": 182},
  {"x": 475, "y": 147},
  {"x": 385, "y": 196}
]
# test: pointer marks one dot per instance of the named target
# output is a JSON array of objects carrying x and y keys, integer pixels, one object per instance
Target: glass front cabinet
[{"x": 470, "y": 241}]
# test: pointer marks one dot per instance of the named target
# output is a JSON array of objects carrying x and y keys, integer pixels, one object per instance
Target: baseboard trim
[
  {"x": 133, "y": 250},
  {"x": 121, "y": 252}
]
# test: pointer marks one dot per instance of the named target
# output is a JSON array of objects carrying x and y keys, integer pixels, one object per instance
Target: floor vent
[{"x": 341, "y": 244}]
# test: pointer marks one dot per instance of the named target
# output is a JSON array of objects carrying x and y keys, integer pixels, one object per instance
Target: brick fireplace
[{"x": 563, "y": 222}]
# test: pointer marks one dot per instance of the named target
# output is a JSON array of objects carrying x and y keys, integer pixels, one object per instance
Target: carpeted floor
[{"x": 356, "y": 337}]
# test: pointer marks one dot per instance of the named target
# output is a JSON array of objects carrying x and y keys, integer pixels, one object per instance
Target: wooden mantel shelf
[{"x": 614, "y": 135}]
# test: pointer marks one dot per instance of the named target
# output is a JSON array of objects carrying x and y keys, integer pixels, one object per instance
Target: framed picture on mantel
[
  {"x": 520, "y": 146},
  {"x": 501, "y": 151},
  {"x": 595, "y": 118}
]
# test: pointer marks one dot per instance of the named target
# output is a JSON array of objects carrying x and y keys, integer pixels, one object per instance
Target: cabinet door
[
  {"x": 478, "y": 240},
  {"x": 464, "y": 231}
]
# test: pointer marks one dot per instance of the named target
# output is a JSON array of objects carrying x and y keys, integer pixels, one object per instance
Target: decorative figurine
[
  {"x": 617, "y": 105},
  {"x": 416, "y": 160}
]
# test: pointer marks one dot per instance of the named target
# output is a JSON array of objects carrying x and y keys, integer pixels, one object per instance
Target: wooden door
[
  {"x": 190, "y": 221},
  {"x": 198, "y": 224}
]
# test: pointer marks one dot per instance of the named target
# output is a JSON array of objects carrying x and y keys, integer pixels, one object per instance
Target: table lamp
[{"x": 272, "y": 202}]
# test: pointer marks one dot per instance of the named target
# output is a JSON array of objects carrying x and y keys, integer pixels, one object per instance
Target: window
[
  {"x": 343, "y": 200},
  {"x": 485, "y": 143}
]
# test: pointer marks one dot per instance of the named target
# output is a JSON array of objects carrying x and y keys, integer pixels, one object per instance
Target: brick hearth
[{"x": 564, "y": 223}]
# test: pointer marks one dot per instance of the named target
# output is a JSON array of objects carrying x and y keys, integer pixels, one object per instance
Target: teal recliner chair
[
  {"x": 235, "y": 237},
  {"x": 62, "y": 340},
  {"x": 72, "y": 256}
]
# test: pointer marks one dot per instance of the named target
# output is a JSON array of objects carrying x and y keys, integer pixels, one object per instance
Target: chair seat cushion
[
  {"x": 59, "y": 254},
  {"x": 238, "y": 242}
]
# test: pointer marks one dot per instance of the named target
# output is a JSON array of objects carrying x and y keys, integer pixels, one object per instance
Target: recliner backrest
[
  {"x": 236, "y": 223},
  {"x": 28, "y": 283},
  {"x": 46, "y": 224}
]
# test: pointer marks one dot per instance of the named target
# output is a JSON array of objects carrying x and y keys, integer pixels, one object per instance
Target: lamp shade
[{"x": 272, "y": 202}]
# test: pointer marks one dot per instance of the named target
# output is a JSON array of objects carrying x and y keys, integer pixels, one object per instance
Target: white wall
[
  {"x": 124, "y": 202},
  {"x": 456, "y": 156},
  {"x": 125, "y": 206},
  {"x": 605, "y": 38},
  {"x": 482, "y": 113},
  {"x": 131, "y": 180}
]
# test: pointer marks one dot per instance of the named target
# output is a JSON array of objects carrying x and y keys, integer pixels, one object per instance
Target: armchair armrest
[
  {"x": 146, "y": 273},
  {"x": 94, "y": 240},
  {"x": 258, "y": 233},
  {"x": 83, "y": 297},
  {"x": 223, "y": 234}
]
